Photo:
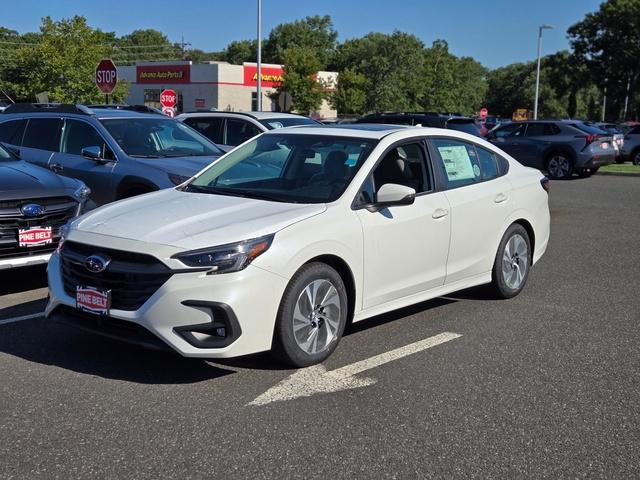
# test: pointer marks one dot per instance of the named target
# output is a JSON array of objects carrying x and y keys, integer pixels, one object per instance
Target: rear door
[
  {"x": 98, "y": 175},
  {"x": 508, "y": 138},
  {"x": 41, "y": 139},
  {"x": 535, "y": 142},
  {"x": 480, "y": 204}
]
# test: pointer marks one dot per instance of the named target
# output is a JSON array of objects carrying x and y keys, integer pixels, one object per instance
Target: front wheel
[
  {"x": 635, "y": 157},
  {"x": 312, "y": 316},
  {"x": 512, "y": 262},
  {"x": 559, "y": 166}
]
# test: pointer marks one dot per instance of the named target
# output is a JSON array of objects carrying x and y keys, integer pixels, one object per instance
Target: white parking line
[
  {"x": 19, "y": 319},
  {"x": 316, "y": 379}
]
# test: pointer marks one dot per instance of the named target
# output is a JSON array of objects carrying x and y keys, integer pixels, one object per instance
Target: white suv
[
  {"x": 230, "y": 129},
  {"x": 282, "y": 241}
]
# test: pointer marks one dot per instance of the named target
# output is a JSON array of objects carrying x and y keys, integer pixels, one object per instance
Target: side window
[
  {"x": 488, "y": 163},
  {"x": 210, "y": 127},
  {"x": 512, "y": 130},
  {"x": 535, "y": 130},
  {"x": 78, "y": 135},
  {"x": 42, "y": 133},
  {"x": 404, "y": 165},
  {"x": 551, "y": 129},
  {"x": 239, "y": 131},
  {"x": 503, "y": 165},
  {"x": 11, "y": 132},
  {"x": 458, "y": 161}
]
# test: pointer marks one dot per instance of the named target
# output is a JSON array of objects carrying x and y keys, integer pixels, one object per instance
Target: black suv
[{"x": 425, "y": 119}]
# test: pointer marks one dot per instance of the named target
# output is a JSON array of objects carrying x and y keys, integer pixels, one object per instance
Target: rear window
[
  {"x": 42, "y": 133},
  {"x": 11, "y": 132},
  {"x": 464, "y": 126},
  {"x": 590, "y": 129},
  {"x": 273, "y": 123}
]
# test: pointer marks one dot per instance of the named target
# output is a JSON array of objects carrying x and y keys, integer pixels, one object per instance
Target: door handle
[
  {"x": 440, "y": 213},
  {"x": 501, "y": 197},
  {"x": 56, "y": 167}
]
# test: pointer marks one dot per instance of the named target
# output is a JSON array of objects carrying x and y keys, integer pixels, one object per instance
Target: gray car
[
  {"x": 561, "y": 147},
  {"x": 118, "y": 153},
  {"x": 631, "y": 146}
]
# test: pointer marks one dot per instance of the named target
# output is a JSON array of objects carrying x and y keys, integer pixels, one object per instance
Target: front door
[{"x": 405, "y": 247}]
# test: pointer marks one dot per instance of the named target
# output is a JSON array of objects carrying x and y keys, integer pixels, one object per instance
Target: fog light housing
[{"x": 220, "y": 332}]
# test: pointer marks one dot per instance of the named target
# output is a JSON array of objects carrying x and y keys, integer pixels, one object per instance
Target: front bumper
[
  {"x": 24, "y": 261},
  {"x": 186, "y": 312}
]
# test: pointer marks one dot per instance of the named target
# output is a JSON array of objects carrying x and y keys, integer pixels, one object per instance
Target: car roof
[
  {"x": 361, "y": 130},
  {"x": 98, "y": 113},
  {"x": 254, "y": 115}
]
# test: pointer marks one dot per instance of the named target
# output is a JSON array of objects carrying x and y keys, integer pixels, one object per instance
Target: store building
[{"x": 218, "y": 85}]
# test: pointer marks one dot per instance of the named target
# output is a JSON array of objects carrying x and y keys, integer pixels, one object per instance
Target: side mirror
[
  {"x": 93, "y": 153},
  {"x": 392, "y": 194}
]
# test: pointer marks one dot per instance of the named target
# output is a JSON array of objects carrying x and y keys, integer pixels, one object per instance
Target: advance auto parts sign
[
  {"x": 271, "y": 76},
  {"x": 163, "y": 74}
]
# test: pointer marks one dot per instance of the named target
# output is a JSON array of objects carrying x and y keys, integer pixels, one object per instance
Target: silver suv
[
  {"x": 117, "y": 152},
  {"x": 230, "y": 129}
]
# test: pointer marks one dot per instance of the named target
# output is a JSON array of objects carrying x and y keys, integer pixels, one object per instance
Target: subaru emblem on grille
[
  {"x": 32, "y": 210},
  {"x": 96, "y": 263}
]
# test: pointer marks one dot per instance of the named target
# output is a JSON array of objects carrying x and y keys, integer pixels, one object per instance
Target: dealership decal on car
[
  {"x": 92, "y": 300},
  {"x": 35, "y": 236}
]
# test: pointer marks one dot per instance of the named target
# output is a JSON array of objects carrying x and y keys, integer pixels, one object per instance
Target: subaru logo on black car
[
  {"x": 96, "y": 263},
  {"x": 32, "y": 210}
]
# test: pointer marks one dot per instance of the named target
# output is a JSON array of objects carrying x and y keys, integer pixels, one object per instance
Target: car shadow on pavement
[
  {"x": 22, "y": 279},
  {"x": 49, "y": 343}
]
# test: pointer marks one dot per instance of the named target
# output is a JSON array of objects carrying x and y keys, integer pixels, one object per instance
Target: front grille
[
  {"x": 57, "y": 212},
  {"x": 131, "y": 277}
]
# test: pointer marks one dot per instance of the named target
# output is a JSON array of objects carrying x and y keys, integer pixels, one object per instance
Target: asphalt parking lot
[{"x": 545, "y": 385}]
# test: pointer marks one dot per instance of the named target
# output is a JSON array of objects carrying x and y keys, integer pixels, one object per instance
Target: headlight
[
  {"x": 232, "y": 257},
  {"x": 82, "y": 192},
  {"x": 64, "y": 231}
]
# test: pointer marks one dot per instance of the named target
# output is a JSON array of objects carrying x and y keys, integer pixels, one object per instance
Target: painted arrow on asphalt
[{"x": 316, "y": 379}]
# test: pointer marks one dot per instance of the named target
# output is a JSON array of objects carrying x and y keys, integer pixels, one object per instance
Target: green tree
[
  {"x": 300, "y": 67},
  {"x": 608, "y": 43},
  {"x": 145, "y": 45},
  {"x": 350, "y": 95},
  {"x": 313, "y": 33},
  {"x": 238, "y": 52},
  {"x": 62, "y": 64}
]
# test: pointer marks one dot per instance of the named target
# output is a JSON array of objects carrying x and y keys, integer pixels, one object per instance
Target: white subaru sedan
[{"x": 284, "y": 240}]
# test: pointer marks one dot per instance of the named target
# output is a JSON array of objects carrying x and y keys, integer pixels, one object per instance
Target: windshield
[
  {"x": 4, "y": 154},
  {"x": 157, "y": 137},
  {"x": 273, "y": 123},
  {"x": 287, "y": 168}
]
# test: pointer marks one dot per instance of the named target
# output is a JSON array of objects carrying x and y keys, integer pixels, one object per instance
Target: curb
[{"x": 619, "y": 174}]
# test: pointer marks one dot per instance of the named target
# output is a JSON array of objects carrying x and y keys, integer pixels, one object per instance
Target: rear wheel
[
  {"x": 312, "y": 316},
  {"x": 512, "y": 262},
  {"x": 559, "y": 166},
  {"x": 635, "y": 157}
]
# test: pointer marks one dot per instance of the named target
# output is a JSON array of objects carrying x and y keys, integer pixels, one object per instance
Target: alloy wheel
[{"x": 515, "y": 261}]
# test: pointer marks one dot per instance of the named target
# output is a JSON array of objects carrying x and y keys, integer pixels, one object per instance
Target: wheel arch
[
  {"x": 532, "y": 235},
  {"x": 130, "y": 183},
  {"x": 343, "y": 269}
]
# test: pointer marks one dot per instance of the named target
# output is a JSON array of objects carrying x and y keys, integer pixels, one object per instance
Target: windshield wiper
[
  {"x": 144, "y": 156},
  {"x": 232, "y": 193}
]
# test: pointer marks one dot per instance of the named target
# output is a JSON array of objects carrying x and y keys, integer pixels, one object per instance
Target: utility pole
[
  {"x": 183, "y": 45},
  {"x": 604, "y": 99},
  {"x": 535, "y": 102},
  {"x": 259, "y": 92}
]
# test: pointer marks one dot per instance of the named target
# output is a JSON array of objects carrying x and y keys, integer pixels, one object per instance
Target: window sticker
[
  {"x": 476, "y": 170},
  {"x": 457, "y": 162}
]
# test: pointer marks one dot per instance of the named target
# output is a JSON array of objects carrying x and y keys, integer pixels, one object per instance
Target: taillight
[
  {"x": 545, "y": 183},
  {"x": 588, "y": 139}
]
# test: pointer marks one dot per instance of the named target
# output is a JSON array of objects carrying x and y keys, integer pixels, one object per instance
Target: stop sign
[
  {"x": 484, "y": 112},
  {"x": 106, "y": 75},
  {"x": 168, "y": 98}
]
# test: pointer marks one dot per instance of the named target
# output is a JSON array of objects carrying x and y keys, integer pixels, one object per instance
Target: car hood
[
  {"x": 19, "y": 179},
  {"x": 185, "y": 166},
  {"x": 193, "y": 220}
]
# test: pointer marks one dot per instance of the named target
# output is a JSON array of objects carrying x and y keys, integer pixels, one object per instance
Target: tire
[
  {"x": 585, "y": 173},
  {"x": 559, "y": 166},
  {"x": 307, "y": 334},
  {"x": 635, "y": 157},
  {"x": 513, "y": 256}
]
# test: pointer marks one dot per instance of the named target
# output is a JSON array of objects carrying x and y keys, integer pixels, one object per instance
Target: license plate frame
[
  {"x": 93, "y": 300},
  {"x": 35, "y": 236}
]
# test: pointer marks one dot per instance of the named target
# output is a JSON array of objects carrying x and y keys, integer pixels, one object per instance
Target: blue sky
[{"x": 495, "y": 32}]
